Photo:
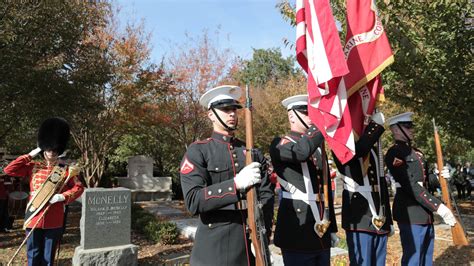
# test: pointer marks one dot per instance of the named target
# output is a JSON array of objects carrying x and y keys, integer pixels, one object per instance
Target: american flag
[{"x": 320, "y": 54}]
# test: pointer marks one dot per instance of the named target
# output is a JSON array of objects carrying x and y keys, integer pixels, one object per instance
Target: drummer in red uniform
[{"x": 47, "y": 226}]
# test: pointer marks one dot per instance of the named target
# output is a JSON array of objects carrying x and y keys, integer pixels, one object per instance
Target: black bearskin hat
[{"x": 53, "y": 135}]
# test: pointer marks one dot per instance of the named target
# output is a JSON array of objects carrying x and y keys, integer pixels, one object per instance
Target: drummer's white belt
[
  {"x": 365, "y": 190},
  {"x": 309, "y": 197}
]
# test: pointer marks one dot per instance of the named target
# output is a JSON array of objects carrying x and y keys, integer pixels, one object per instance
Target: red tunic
[{"x": 37, "y": 172}]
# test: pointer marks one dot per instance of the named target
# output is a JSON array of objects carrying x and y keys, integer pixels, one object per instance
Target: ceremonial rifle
[
  {"x": 459, "y": 235},
  {"x": 255, "y": 220}
]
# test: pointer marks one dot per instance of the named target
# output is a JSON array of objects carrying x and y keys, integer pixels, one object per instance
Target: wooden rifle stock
[
  {"x": 255, "y": 218},
  {"x": 459, "y": 237}
]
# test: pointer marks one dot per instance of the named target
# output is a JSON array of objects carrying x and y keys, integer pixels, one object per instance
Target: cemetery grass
[{"x": 151, "y": 253}]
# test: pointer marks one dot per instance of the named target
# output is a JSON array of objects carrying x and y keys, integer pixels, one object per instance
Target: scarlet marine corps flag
[
  {"x": 367, "y": 48},
  {"x": 368, "y": 52},
  {"x": 319, "y": 52}
]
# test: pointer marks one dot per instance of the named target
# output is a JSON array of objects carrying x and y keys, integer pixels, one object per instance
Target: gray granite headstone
[
  {"x": 140, "y": 166},
  {"x": 105, "y": 220},
  {"x": 140, "y": 179}
]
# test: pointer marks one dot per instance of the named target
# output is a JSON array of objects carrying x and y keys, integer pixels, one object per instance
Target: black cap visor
[
  {"x": 226, "y": 103},
  {"x": 300, "y": 108},
  {"x": 407, "y": 124}
]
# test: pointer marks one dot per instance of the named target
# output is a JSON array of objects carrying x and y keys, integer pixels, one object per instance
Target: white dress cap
[
  {"x": 225, "y": 92},
  {"x": 289, "y": 102},
  {"x": 400, "y": 118}
]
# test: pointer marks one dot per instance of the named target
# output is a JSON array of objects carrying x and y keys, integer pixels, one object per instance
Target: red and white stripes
[{"x": 320, "y": 54}]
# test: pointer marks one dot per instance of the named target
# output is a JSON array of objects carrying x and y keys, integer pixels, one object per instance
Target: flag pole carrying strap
[
  {"x": 309, "y": 197},
  {"x": 366, "y": 190}
]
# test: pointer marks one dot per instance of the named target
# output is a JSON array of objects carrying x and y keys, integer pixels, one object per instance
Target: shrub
[
  {"x": 142, "y": 221},
  {"x": 168, "y": 233},
  {"x": 152, "y": 231},
  {"x": 146, "y": 223}
]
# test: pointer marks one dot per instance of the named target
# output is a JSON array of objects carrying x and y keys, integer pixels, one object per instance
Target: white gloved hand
[
  {"x": 446, "y": 214},
  {"x": 253, "y": 253},
  {"x": 248, "y": 176},
  {"x": 378, "y": 118},
  {"x": 334, "y": 240},
  {"x": 445, "y": 173},
  {"x": 57, "y": 198},
  {"x": 392, "y": 231},
  {"x": 34, "y": 152}
]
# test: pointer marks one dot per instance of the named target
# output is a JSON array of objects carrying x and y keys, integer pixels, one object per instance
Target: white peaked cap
[
  {"x": 289, "y": 102},
  {"x": 400, "y": 118},
  {"x": 225, "y": 92}
]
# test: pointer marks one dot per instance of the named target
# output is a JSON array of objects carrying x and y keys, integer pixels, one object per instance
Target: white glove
[
  {"x": 248, "y": 176},
  {"x": 334, "y": 240},
  {"x": 57, "y": 198},
  {"x": 253, "y": 252},
  {"x": 34, "y": 152},
  {"x": 378, "y": 118},
  {"x": 392, "y": 231},
  {"x": 446, "y": 214},
  {"x": 445, "y": 173}
]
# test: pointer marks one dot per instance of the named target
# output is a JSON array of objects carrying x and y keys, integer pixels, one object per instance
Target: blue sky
[{"x": 244, "y": 24}]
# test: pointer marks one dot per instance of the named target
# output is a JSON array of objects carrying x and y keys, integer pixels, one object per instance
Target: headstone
[
  {"x": 140, "y": 167},
  {"x": 105, "y": 228},
  {"x": 140, "y": 179},
  {"x": 106, "y": 218}
]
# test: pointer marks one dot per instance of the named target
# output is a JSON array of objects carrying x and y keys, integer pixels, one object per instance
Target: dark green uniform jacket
[
  {"x": 356, "y": 215},
  {"x": 207, "y": 172},
  {"x": 413, "y": 204},
  {"x": 295, "y": 222}
]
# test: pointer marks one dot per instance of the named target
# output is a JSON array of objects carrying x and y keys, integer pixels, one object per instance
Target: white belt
[
  {"x": 397, "y": 185},
  {"x": 299, "y": 195},
  {"x": 365, "y": 190},
  {"x": 353, "y": 186},
  {"x": 307, "y": 197}
]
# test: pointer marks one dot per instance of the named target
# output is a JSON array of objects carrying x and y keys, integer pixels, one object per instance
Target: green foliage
[
  {"x": 266, "y": 65},
  {"x": 43, "y": 65},
  {"x": 433, "y": 67},
  {"x": 160, "y": 232},
  {"x": 432, "y": 73},
  {"x": 142, "y": 221},
  {"x": 168, "y": 233}
]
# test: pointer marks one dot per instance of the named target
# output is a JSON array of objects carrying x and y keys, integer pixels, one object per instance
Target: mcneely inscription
[
  {"x": 105, "y": 218},
  {"x": 108, "y": 199}
]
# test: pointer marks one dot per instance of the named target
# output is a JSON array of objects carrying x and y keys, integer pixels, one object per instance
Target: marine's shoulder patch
[
  {"x": 187, "y": 167},
  {"x": 284, "y": 141},
  {"x": 397, "y": 162}
]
